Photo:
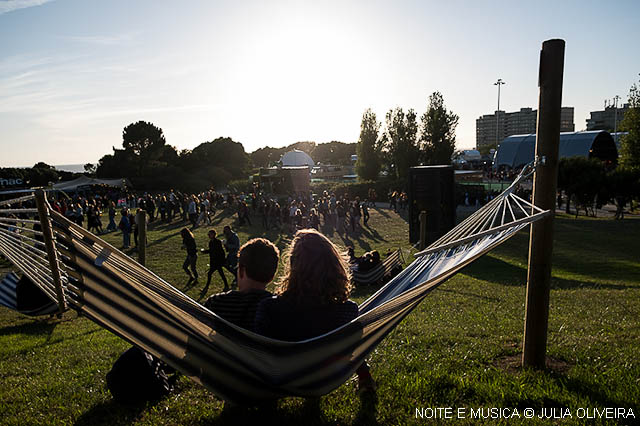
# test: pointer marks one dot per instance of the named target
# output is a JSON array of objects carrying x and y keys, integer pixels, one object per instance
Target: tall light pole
[
  {"x": 615, "y": 117},
  {"x": 498, "y": 83}
]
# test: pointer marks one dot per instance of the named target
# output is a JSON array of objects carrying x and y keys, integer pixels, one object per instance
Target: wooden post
[
  {"x": 142, "y": 236},
  {"x": 544, "y": 196},
  {"x": 52, "y": 255},
  {"x": 423, "y": 229}
]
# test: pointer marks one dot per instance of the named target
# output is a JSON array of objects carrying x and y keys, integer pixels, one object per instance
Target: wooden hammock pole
[
  {"x": 423, "y": 230},
  {"x": 544, "y": 193},
  {"x": 52, "y": 255},
  {"x": 142, "y": 237}
]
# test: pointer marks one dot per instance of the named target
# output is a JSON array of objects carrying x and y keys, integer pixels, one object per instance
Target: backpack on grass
[{"x": 138, "y": 377}]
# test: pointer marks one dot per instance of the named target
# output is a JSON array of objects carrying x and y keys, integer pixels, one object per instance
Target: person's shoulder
[
  {"x": 218, "y": 297},
  {"x": 351, "y": 306},
  {"x": 270, "y": 302},
  {"x": 351, "y": 303},
  {"x": 258, "y": 295}
]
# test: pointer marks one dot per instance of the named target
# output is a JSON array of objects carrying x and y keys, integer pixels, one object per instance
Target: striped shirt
[{"x": 236, "y": 306}]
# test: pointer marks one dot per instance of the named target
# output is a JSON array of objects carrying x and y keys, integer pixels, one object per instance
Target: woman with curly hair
[{"x": 312, "y": 297}]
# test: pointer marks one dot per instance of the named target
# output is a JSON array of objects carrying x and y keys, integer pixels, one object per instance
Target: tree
[
  {"x": 142, "y": 137},
  {"x": 265, "y": 157},
  {"x": 437, "y": 132},
  {"x": 368, "y": 148},
  {"x": 44, "y": 166},
  {"x": 42, "y": 174},
  {"x": 584, "y": 181},
  {"x": 333, "y": 152},
  {"x": 121, "y": 163},
  {"x": 400, "y": 141},
  {"x": 486, "y": 149},
  {"x": 623, "y": 184},
  {"x": 630, "y": 143},
  {"x": 306, "y": 146},
  {"x": 216, "y": 162}
]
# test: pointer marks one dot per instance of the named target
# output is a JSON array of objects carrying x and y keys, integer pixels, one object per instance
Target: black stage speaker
[{"x": 431, "y": 189}]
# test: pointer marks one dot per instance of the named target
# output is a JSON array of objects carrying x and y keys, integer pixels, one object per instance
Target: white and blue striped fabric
[{"x": 9, "y": 299}]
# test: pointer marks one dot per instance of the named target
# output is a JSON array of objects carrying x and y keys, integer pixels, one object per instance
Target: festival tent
[
  {"x": 296, "y": 158},
  {"x": 518, "y": 150},
  {"x": 73, "y": 185}
]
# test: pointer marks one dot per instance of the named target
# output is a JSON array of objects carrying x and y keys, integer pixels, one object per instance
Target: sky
[{"x": 74, "y": 73}]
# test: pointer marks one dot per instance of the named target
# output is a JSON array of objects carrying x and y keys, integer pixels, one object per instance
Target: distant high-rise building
[
  {"x": 606, "y": 120},
  {"x": 521, "y": 122}
]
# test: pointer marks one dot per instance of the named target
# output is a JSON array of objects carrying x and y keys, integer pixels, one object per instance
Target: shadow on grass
[
  {"x": 110, "y": 413},
  {"x": 466, "y": 293},
  {"x": 402, "y": 213},
  {"x": 371, "y": 233},
  {"x": 163, "y": 239},
  {"x": 592, "y": 390},
  {"x": 34, "y": 328},
  {"x": 381, "y": 211},
  {"x": 556, "y": 371},
  {"x": 167, "y": 226},
  {"x": 310, "y": 412},
  {"x": 489, "y": 268}
]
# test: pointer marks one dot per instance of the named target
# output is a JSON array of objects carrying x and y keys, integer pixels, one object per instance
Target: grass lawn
[{"x": 460, "y": 348}]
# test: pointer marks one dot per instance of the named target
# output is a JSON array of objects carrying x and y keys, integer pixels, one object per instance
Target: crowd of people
[
  {"x": 343, "y": 214},
  {"x": 312, "y": 296}
]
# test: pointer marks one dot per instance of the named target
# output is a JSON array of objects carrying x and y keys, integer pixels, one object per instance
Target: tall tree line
[
  {"x": 403, "y": 142},
  {"x": 150, "y": 163}
]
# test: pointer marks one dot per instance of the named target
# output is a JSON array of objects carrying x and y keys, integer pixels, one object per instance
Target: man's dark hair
[{"x": 259, "y": 257}]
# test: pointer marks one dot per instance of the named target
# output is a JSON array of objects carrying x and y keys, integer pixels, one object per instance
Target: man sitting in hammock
[{"x": 257, "y": 265}]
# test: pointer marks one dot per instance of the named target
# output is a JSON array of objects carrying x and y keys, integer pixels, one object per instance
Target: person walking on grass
[
  {"x": 125, "y": 227},
  {"x": 112, "y": 217},
  {"x": 189, "y": 243},
  {"x": 365, "y": 213},
  {"x": 232, "y": 245},
  {"x": 216, "y": 259},
  {"x": 192, "y": 208},
  {"x": 342, "y": 216}
]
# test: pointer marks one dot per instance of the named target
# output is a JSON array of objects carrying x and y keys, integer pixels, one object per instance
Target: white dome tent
[{"x": 296, "y": 158}]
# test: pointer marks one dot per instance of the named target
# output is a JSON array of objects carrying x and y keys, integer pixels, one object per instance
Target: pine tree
[
  {"x": 630, "y": 143},
  {"x": 437, "y": 132},
  {"x": 368, "y": 148}
]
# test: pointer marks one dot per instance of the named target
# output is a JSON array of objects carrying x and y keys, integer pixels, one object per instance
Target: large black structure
[{"x": 431, "y": 189}]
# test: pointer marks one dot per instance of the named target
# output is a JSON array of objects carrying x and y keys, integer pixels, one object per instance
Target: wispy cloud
[
  {"x": 7, "y": 6},
  {"x": 102, "y": 40}
]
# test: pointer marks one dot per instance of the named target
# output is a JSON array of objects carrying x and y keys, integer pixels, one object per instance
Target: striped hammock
[
  {"x": 111, "y": 289},
  {"x": 9, "y": 298}
]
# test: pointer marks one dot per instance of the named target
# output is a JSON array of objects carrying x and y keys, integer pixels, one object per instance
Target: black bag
[{"x": 138, "y": 376}]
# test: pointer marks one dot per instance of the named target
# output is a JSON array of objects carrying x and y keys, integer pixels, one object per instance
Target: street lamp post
[
  {"x": 615, "y": 117},
  {"x": 498, "y": 83}
]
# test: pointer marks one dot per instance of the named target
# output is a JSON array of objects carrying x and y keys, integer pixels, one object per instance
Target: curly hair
[{"x": 315, "y": 271}]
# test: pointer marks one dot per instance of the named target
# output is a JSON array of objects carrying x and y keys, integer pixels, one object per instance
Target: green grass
[{"x": 459, "y": 348}]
